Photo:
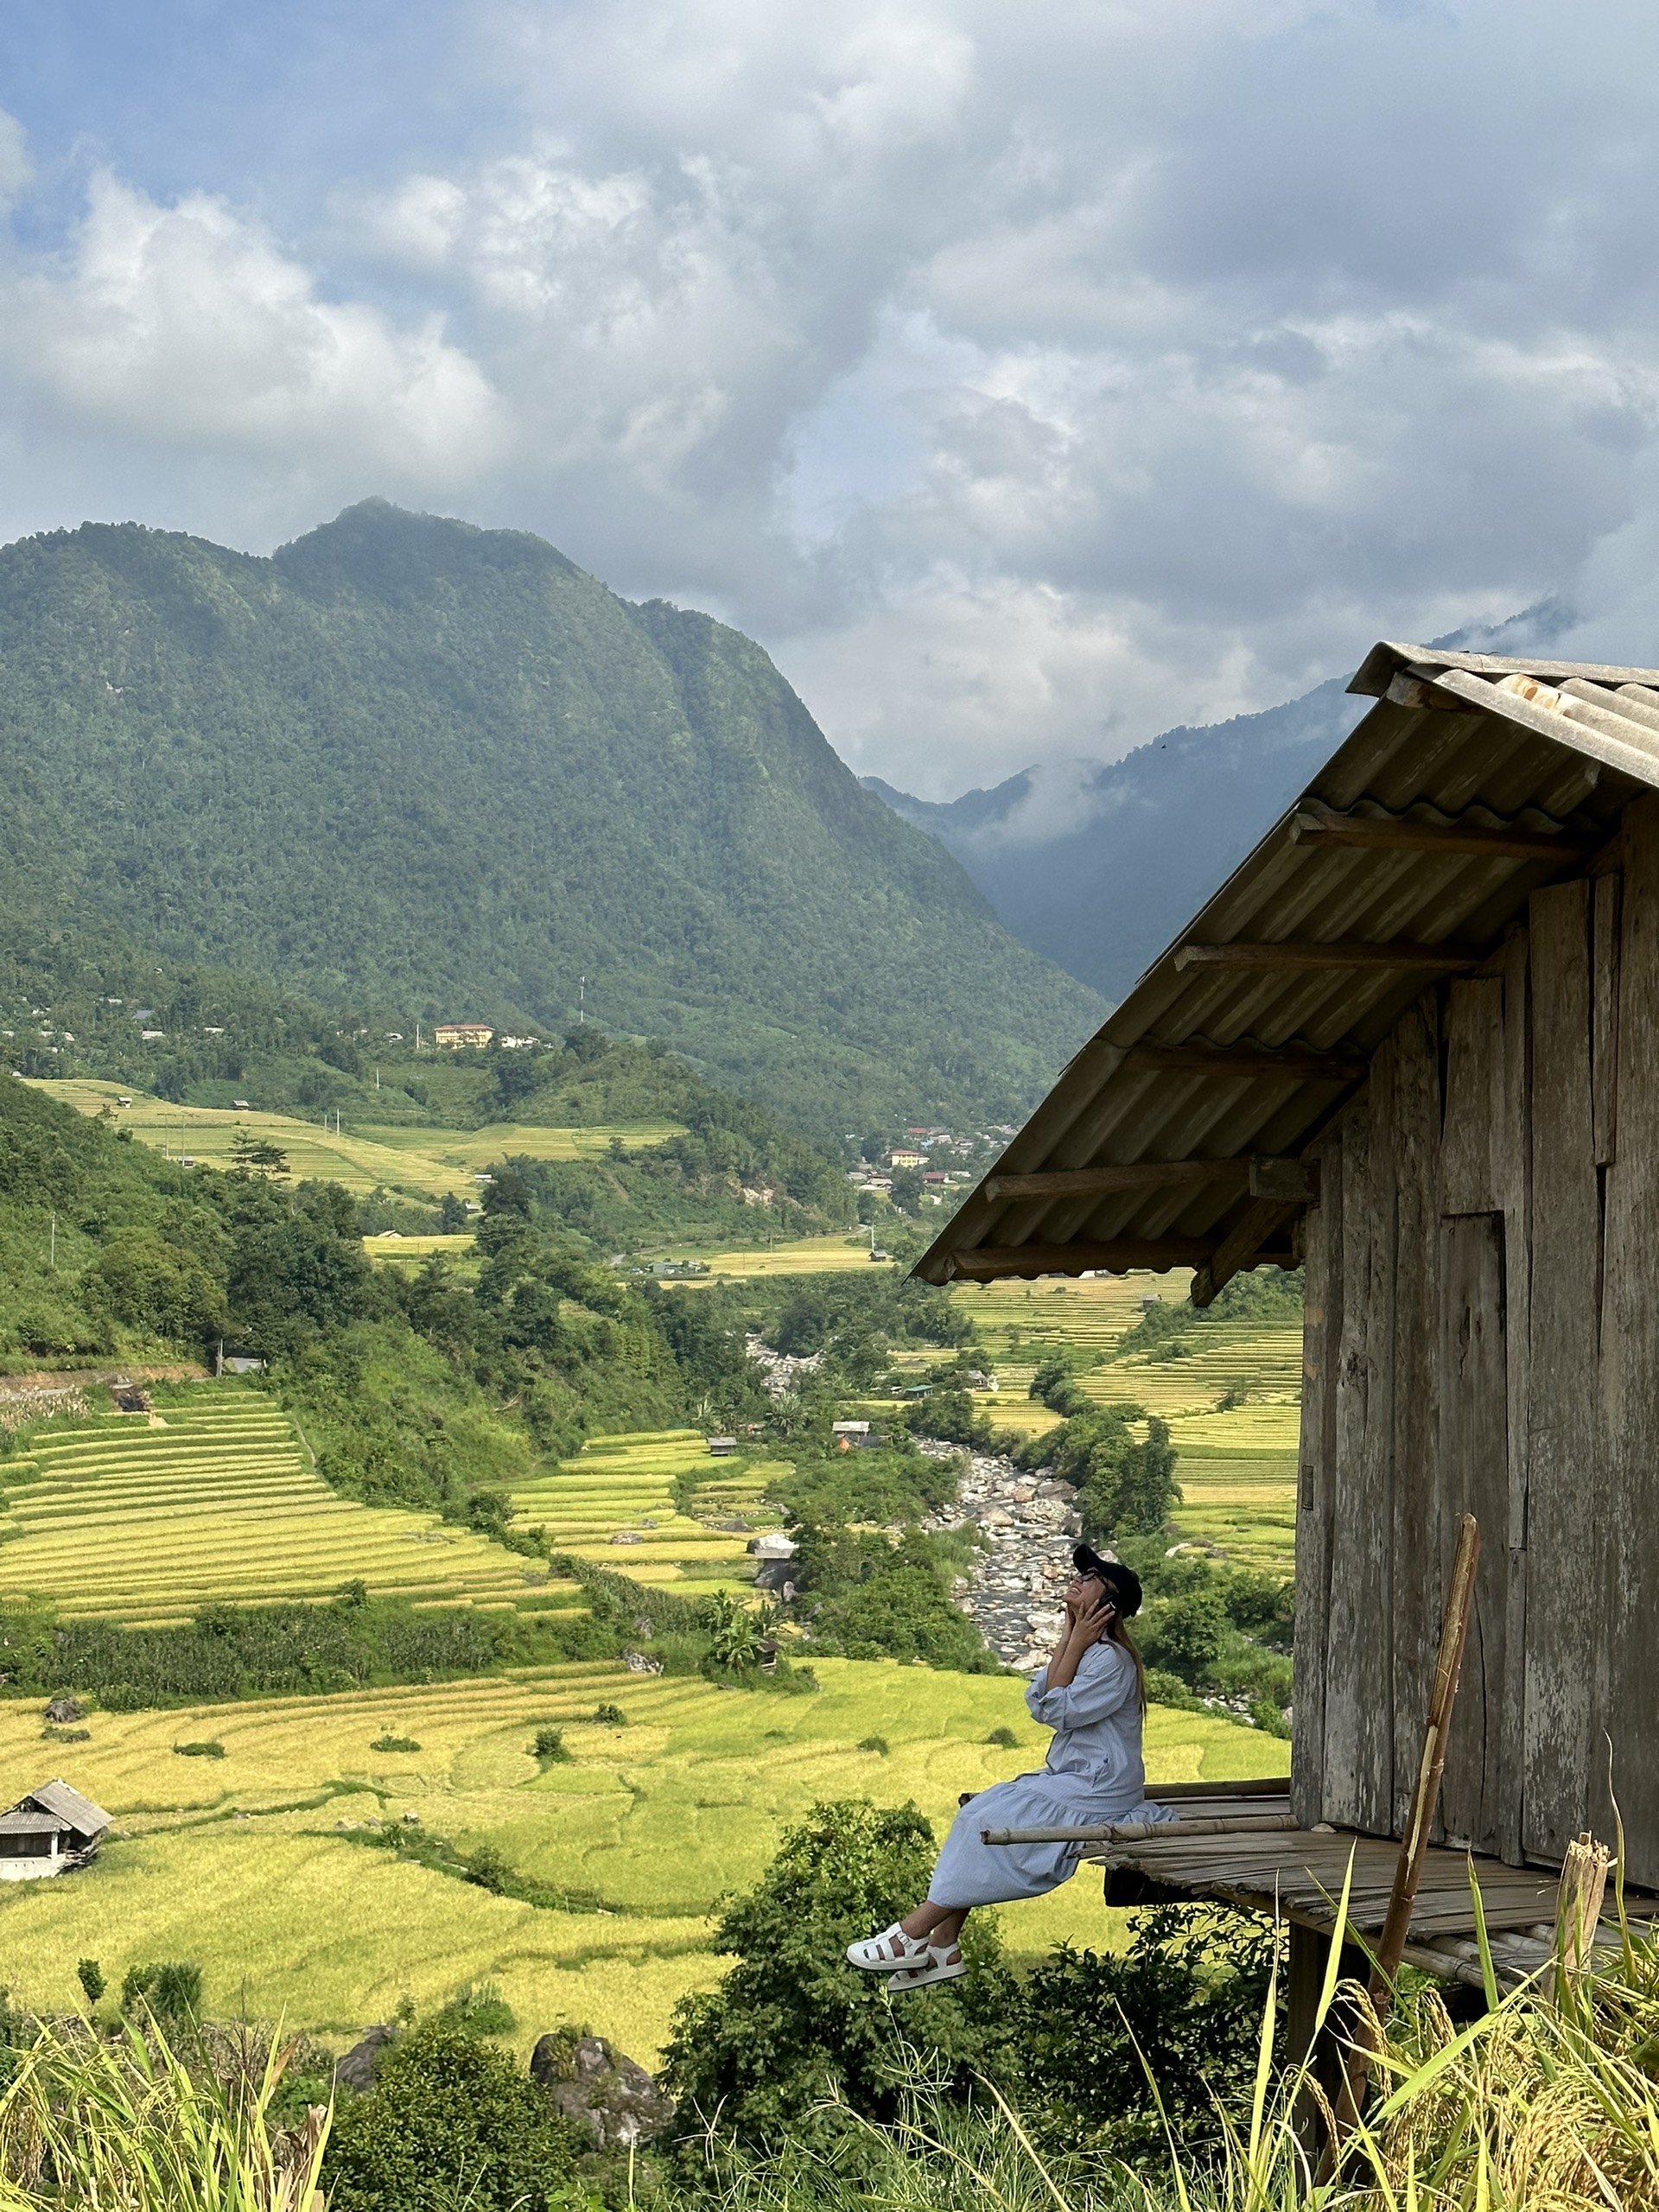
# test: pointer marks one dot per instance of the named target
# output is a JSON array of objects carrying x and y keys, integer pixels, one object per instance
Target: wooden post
[
  {"x": 1414, "y": 1847},
  {"x": 1584, "y": 1884}
]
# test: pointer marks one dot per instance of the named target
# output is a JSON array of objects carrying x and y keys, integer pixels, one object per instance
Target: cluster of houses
[{"x": 477, "y": 1036}]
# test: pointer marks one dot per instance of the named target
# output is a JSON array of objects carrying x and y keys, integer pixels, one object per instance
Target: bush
[
  {"x": 792, "y": 2025},
  {"x": 89, "y": 1975},
  {"x": 449, "y": 2121},
  {"x": 875, "y": 1743},
  {"x": 171, "y": 1989},
  {"x": 610, "y": 1716},
  {"x": 1189, "y": 1993},
  {"x": 549, "y": 1746},
  {"x": 1004, "y": 1737},
  {"x": 207, "y": 1751},
  {"x": 479, "y": 2010},
  {"x": 394, "y": 1743},
  {"x": 490, "y": 1869}
]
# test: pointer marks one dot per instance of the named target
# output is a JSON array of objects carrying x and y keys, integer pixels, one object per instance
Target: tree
[
  {"x": 793, "y": 2025},
  {"x": 251, "y": 1155}
]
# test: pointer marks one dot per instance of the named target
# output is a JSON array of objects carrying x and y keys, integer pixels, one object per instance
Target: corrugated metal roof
[
  {"x": 32, "y": 1824},
  {"x": 1473, "y": 781},
  {"x": 58, "y": 1798}
]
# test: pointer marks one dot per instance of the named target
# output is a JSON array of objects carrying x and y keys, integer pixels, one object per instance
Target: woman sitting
[{"x": 1093, "y": 1695}]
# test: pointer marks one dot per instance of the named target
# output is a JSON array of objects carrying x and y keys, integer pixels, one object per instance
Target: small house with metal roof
[
  {"x": 1413, "y": 1044},
  {"x": 50, "y": 1831}
]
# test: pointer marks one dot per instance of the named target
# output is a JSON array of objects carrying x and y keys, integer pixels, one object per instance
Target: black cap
[{"x": 1122, "y": 1581}]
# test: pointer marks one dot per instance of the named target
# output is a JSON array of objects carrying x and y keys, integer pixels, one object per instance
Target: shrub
[
  {"x": 792, "y": 2026},
  {"x": 875, "y": 1743},
  {"x": 490, "y": 1869},
  {"x": 1004, "y": 1737},
  {"x": 1189, "y": 1992},
  {"x": 479, "y": 2010},
  {"x": 171, "y": 1989},
  {"x": 207, "y": 1751},
  {"x": 449, "y": 2121},
  {"x": 89, "y": 1975},
  {"x": 394, "y": 1743},
  {"x": 549, "y": 1745},
  {"x": 610, "y": 1716}
]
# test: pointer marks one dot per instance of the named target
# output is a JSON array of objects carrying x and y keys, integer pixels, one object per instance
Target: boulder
[
  {"x": 640, "y": 1663},
  {"x": 356, "y": 2070},
  {"x": 64, "y": 1709},
  {"x": 610, "y": 2095}
]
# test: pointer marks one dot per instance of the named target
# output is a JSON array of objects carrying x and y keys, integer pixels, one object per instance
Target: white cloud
[
  {"x": 1029, "y": 379},
  {"x": 17, "y": 170},
  {"x": 188, "y": 326}
]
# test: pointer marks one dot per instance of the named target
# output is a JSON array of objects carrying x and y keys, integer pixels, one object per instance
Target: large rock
[
  {"x": 357, "y": 2067},
  {"x": 62, "y": 1710},
  {"x": 612, "y": 2096}
]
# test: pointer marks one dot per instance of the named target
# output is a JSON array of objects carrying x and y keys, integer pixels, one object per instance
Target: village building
[
  {"x": 903, "y": 1157},
  {"x": 1413, "y": 1044},
  {"x": 457, "y": 1036},
  {"x": 51, "y": 1831},
  {"x": 721, "y": 1447}
]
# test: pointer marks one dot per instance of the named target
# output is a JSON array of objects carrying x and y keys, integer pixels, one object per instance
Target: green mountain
[{"x": 415, "y": 765}]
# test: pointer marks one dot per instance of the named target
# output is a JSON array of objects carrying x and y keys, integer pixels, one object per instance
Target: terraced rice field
[
  {"x": 804, "y": 1255},
  {"x": 422, "y": 1163},
  {"x": 288, "y": 1915},
  {"x": 143, "y": 1521},
  {"x": 625, "y": 1487}
]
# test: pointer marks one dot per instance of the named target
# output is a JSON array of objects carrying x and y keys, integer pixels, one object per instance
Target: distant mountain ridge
[
  {"x": 1096, "y": 865},
  {"x": 408, "y": 763}
]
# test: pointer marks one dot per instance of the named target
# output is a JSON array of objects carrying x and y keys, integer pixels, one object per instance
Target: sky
[{"x": 1027, "y": 378}]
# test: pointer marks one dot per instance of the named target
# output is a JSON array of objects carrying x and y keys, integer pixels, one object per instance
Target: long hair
[{"x": 1117, "y": 1633}]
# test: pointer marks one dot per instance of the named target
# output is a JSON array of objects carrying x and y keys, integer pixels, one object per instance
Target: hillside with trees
[{"x": 441, "y": 771}]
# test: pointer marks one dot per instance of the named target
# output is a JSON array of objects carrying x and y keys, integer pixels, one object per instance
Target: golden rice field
[
  {"x": 288, "y": 1916},
  {"x": 423, "y": 1163},
  {"x": 615, "y": 1505},
  {"x": 143, "y": 1521},
  {"x": 801, "y": 1255}
]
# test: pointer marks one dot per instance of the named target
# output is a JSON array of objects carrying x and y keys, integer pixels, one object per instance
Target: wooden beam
[
  {"x": 1284, "y": 1178},
  {"x": 1143, "y": 1175},
  {"x": 1306, "y": 1062},
  {"x": 1339, "y": 952},
  {"x": 1116, "y": 1257},
  {"x": 1241, "y": 1246},
  {"x": 1379, "y": 833}
]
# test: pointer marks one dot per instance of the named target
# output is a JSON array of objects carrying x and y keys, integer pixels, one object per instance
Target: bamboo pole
[
  {"x": 1144, "y": 1831},
  {"x": 1583, "y": 1884},
  {"x": 1414, "y": 1847}
]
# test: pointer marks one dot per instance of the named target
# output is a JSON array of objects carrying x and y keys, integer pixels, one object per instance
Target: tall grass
[
  {"x": 1539, "y": 2106},
  {"x": 126, "y": 2125}
]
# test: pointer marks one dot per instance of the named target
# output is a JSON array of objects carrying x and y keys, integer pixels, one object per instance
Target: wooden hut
[
  {"x": 50, "y": 1831},
  {"x": 1414, "y": 1043}
]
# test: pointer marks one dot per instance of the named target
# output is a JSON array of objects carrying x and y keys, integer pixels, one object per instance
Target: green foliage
[
  {"x": 1005, "y": 1737},
  {"x": 394, "y": 1743},
  {"x": 717, "y": 874},
  {"x": 479, "y": 2009},
  {"x": 877, "y": 1744},
  {"x": 89, "y": 1975},
  {"x": 857, "y": 1318},
  {"x": 449, "y": 2121},
  {"x": 1125, "y": 1488},
  {"x": 867, "y": 1596},
  {"x": 792, "y": 2026},
  {"x": 890, "y": 1487},
  {"x": 549, "y": 1746},
  {"x": 734, "y": 1632},
  {"x": 1186, "y": 1999},
  {"x": 282, "y": 1651},
  {"x": 169, "y": 1991},
  {"x": 952, "y": 1417},
  {"x": 202, "y": 1750},
  {"x": 610, "y": 1716}
]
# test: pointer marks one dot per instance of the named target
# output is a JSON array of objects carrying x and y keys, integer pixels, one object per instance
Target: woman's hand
[{"x": 1090, "y": 1622}]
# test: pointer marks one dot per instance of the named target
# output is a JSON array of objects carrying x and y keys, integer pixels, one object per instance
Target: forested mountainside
[
  {"x": 441, "y": 769},
  {"x": 1098, "y": 864}
]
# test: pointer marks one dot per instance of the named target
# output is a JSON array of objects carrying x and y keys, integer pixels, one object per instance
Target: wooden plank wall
[{"x": 1482, "y": 1332}]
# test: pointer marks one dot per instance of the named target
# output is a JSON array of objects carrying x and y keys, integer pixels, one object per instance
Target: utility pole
[
  {"x": 54, "y": 1260},
  {"x": 582, "y": 1000}
]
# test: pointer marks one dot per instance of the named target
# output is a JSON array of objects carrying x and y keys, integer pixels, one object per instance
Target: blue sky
[{"x": 1027, "y": 379}]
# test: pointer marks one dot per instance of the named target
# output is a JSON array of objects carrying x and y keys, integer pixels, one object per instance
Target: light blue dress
[{"x": 1094, "y": 1773}]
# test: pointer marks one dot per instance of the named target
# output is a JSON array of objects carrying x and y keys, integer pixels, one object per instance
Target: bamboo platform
[{"x": 1238, "y": 1845}]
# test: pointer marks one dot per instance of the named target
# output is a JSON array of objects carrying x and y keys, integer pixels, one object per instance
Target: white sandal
[
  {"x": 948, "y": 1965},
  {"x": 887, "y": 1952}
]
